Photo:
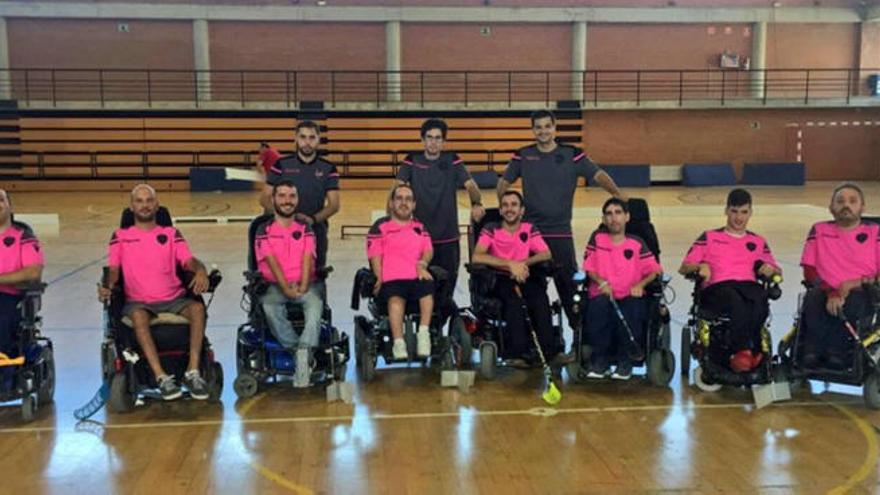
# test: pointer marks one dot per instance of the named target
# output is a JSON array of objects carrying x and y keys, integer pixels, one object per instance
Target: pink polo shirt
[
  {"x": 839, "y": 255},
  {"x": 730, "y": 258},
  {"x": 400, "y": 245},
  {"x": 288, "y": 245},
  {"x": 19, "y": 248},
  {"x": 149, "y": 260},
  {"x": 512, "y": 246},
  {"x": 622, "y": 265}
]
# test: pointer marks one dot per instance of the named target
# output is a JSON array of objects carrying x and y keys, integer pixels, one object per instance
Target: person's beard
[
  {"x": 279, "y": 209},
  {"x": 145, "y": 217}
]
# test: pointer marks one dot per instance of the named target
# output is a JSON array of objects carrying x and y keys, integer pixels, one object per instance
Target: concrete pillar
[
  {"x": 869, "y": 57},
  {"x": 578, "y": 59},
  {"x": 759, "y": 58},
  {"x": 202, "y": 58},
  {"x": 392, "y": 60},
  {"x": 5, "y": 75}
]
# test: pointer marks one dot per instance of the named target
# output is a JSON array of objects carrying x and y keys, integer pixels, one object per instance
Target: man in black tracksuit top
[{"x": 549, "y": 173}]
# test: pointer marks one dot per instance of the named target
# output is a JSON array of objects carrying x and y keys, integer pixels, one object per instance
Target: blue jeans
[{"x": 274, "y": 306}]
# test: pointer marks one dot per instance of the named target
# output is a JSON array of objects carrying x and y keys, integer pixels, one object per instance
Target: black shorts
[{"x": 409, "y": 290}]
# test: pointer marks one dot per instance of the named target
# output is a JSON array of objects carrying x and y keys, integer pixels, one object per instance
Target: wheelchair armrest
[
  {"x": 32, "y": 289},
  {"x": 323, "y": 273},
  {"x": 438, "y": 273},
  {"x": 253, "y": 276},
  {"x": 478, "y": 268}
]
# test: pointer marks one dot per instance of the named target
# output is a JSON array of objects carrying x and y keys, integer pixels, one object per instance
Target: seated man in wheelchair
[
  {"x": 620, "y": 266},
  {"x": 21, "y": 262},
  {"x": 728, "y": 261},
  {"x": 399, "y": 249},
  {"x": 839, "y": 257},
  {"x": 147, "y": 256},
  {"x": 285, "y": 253},
  {"x": 514, "y": 248}
]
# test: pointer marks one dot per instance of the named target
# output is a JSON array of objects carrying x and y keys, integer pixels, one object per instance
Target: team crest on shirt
[
  {"x": 319, "y": 174},
  {"x": 628, "y": 253},
  {"x": 162, "y": 239},
  {"x": 9, "y": 241},
  {"x": 417, "y": 230},
  {"x": 751, "y": 246},
  {"x": 862, "y": 238},
  {"x": 297, "y": 234},
  {"x": 523, "y": 237}
]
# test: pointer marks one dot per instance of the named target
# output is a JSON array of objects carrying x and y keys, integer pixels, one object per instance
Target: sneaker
[
  {"x": 423, "y": 343},
  {"x": 197, "y": 386},
  {"x": 168, "y": 388},
  {"x": 622, "y": 372},
  {"x": 398, "y": 350},
  {"x": 303, "y": 374},
  {"x": 597, "y": 373}
]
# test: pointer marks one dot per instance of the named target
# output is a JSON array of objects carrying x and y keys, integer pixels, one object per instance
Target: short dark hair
[
  {"x": 398, "y": 186},
  {"x": 848, "y": 185},
  {"x": 434, "y": 124},
  {"x": 615, "y": 201},
  {"x": 264, "y": 144},
  {"x": 542, "y": 114},
  {"x": 513, "y": 192},
  {"x": 308, "y": 124},
  {"x": 284, "y": 183},
  {"x": 739, "y": 197}
]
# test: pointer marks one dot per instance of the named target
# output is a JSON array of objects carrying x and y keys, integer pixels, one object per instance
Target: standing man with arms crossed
[
  {"x": 316, "y": 180},
  {"x": 550, "y": 173},
  {"x": 435, "y": 175}
]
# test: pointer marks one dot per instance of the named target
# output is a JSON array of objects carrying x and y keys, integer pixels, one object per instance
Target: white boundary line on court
[{"x": 535, "y": 411}]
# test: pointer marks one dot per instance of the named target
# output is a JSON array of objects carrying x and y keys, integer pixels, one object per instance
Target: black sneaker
[
  {"x": 168, "y": 388},
  {"x": 197, "y": 386},
  {"x": 622, "y": 372}
]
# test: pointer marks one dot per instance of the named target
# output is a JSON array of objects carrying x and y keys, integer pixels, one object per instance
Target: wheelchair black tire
[
  {"x": 464, "y": 341},
  {"x": 47, "y": 384},
  {"x": 661, "y": 367},
  {"x": 29, "y": 407},
  {"x": 121, "y": 399},
  {"x": 685, "y": 356},
  {"x": 245, "y": 385},
  {"x": 215, "y": 381},
  {"x": 871, "y": 390},
  {"x": 488, "y": 358}
]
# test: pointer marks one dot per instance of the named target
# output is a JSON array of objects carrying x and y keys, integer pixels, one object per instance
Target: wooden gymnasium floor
[{"x": 406, "y": 434}]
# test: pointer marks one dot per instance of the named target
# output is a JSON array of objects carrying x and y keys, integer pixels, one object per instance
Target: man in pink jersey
[
  {"x": 726, "y": 259},
  {"x": 620, "y": 266},
  {"x": 838, "y": 257},
  {"x": 399, "y": 249},
  {"x": 513, "y": 246},
  {"x": 285, "y": 251},
  {"x": 21, "y": 261},
  {"x": 147, "y": 256}
]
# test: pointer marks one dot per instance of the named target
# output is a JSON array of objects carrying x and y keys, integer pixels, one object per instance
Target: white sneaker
[
  {"x": 399, "y": 349},
  {"x": 423, "y": 342},
  {"x": 303, "y": 374}
]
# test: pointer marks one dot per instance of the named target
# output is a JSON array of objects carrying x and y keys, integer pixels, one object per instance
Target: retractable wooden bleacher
[{"x": 103, "y": 150}]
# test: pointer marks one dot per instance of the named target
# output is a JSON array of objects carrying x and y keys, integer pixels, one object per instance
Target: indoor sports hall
[{"x": 227, "y": 109}]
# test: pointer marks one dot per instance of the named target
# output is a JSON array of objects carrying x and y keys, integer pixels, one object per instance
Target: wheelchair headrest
[
  {"x": 362, "y": 288},
  {"x": 252, "y": 237},
  {"x": 638, "y": 210},
  {"x": 21, "y": 225},
  {"x": 163, "y": 218}
]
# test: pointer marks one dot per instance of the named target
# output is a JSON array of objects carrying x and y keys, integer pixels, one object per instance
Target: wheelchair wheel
[
  {"x": 245, "y": 385},
  {"x": 365, "y": 352},
  {"x": 121, "y": 398},
  {"x": 661, "y": 367},
  {"x": 702, "y": 384},
  {"x": 28, "y": 407},
  {"x": 871, "y": 390},
  {"x": 685, "y": 355},
  {"x": 488, "y": 356},
  {"x": 215, "y": 381},
  {"x": 465, "y": 342},
  {"x": 47, "y": 385}
]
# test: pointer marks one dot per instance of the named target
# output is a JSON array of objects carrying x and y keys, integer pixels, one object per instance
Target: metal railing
[{"x": 55, "y": 87}]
